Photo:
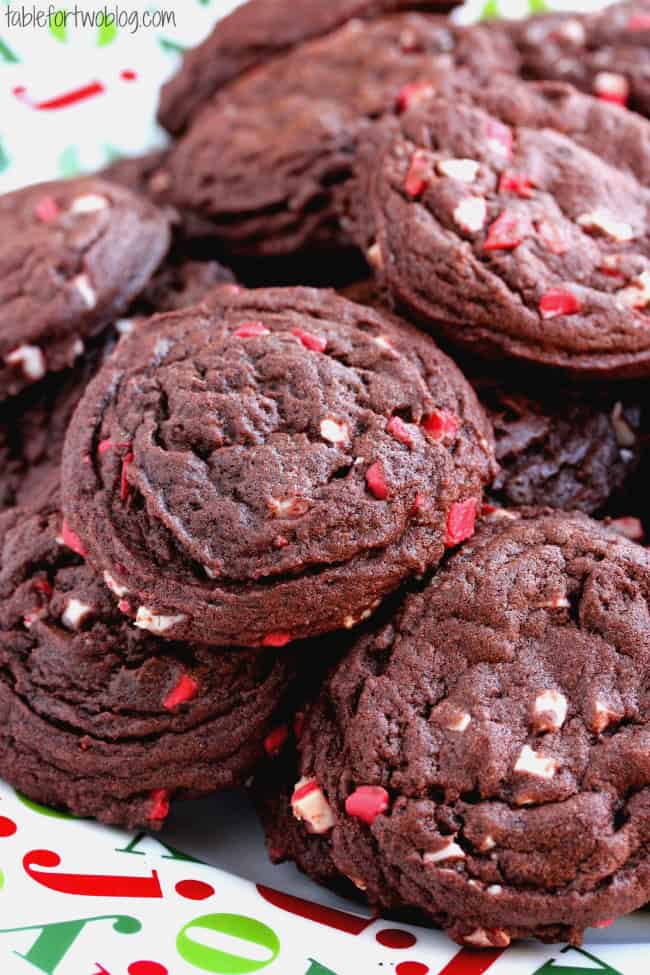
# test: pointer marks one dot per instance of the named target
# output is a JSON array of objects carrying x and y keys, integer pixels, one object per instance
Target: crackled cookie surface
[
  {"x": 256, "y": 32},
  {"x": 260, "y": 165},
  {"x": 484, "y": 756},
  {"x": 100, "y": 716},
  {"x": 606, "y": 53},
  {"x": 73, "y": 255},
  {"x": 270, "y": 464},
  {"x": 514, "y": 218}
]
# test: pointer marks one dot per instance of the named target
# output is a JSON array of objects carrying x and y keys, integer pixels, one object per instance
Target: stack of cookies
[{"x": 375, "y": 552}]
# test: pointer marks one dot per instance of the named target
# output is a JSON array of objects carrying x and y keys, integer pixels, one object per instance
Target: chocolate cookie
[
  {"x": 260, "y": 166},
  {"x": 101, "y": 717},
  {"x": 568, "y": 450},
  {"x": 254, "y": 33},
  {"x": 484, "y": 756},
  {"x": 33, "y": 424},
  {"x": 271, "y": 464},
  {"x": 606, "y": 53},
  {"x": 513, "y": 218},
  {"x": 73, "y": 255}
]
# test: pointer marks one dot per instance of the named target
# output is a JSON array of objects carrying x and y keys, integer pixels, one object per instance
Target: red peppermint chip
[
  {"x": 551, "y": 237},
  {"x": 72, "y": 540},
  {"x": 418, "y": 176},
  {"x": 185, "y": 690},
  {"x": 557, "y": 302},
  {"x": 367, "y": 802},
  {"x": 639, "y": 21},
  {"x": 278, "y": 638},
  {"x": 506, "y": 233},
  {"x": 312, "y": 342},
  {"x": 376, "y": 481},
  {"x": 440, "y": 424},
  {"x": 499, "y": 138},
  {"x": 460, "y": 522},
  {"x": 124, "y": 480},
  {"x": 412, "y": 93},
  {"x": 418, "y": 501},
  {"x": 517, "y": 184},
  {"x": 47, "y": 209},
  {"x": 159, "y": 804},
  {"x": 275, "y": 741},
  {"x": 250, "y": 330},
  {"x": 44, "y": 586},
  {"x": 398, "y": 429}
]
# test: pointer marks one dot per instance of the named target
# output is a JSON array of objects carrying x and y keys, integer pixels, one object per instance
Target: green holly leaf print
[
  {"x": 4, "y": 158},
  {"x": 106, "y": 34},
  {"x": 491, "y": 10},
  {"x": 6, "y": 54},
  {"x": 538, "y": 6},
  {"x": 58, "y": 28},
  {"x": 69, "y": 164},
  {"x": 171, "y": 47}
]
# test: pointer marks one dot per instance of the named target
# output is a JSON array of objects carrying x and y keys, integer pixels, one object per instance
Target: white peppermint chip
[
  {"x": 638, "y": 294},
  {"x": 75, "y": 613},
  {"x": 459, "y": 722},
  {"x": 89, "y": 203},
  {"x": 465, "y": 170},
  {"x": 488, "y": 843},
  {"x": 334, "y": 431},
  {"x": 496, "y": 938},
  {"x": 558, "y": 602},
  {"x": 450, "y": 851},
  {"x": 549, "y": 711},
  {"x": 114, "y": 586},
  {"x": 281, "y": 507},
  {"x": 625, "y": 435},
  {"x": 495, "y": 889},
  {"x": 30, "y": 359},
  {"x": 77, "y": 348},
  {"x": 605, "y": 223},
  {"x": 604, "y": 715},
  {"x": 375, "y": 257},
  {"x": 146, "y": 619},
  {"x": 612, "y": 84},
  {"x": 470, "y": 214},
  {"x": 86, "y": 290},
  {"x": 573, "y": 31},
  {"x": 125, "y": 325},
  {"x": 349, "y": 622},
  {"x": 309, "y": 805},
  {"x": 532, "y": 763},
  {"x": 384, "y": 342}
]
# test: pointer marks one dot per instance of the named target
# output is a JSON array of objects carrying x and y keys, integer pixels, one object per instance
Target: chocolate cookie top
[
  {"x": 261, "y": 163},
  {"x": 73, "y": 255},
  {"x": 570, "y": 450},
  {"x": 606, "y": 53},
  {"x": 514, "y": 218},
  {"x": 99, "y": 715},
  {"x": 270, "y": 465},
  {"x": 483, "y": 757},
  {"x": 34, "y": 423},
  {"x": 254, "y": 33}
]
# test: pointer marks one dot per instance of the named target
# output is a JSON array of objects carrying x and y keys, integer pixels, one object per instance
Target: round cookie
[
  {"x": 101, "y": 717},
  {"x": 73, "y": 255},
  {"x": 261, "y": 166},
  {"x": 606, "y": 53},
  {"x": 256, "y": 32},
  {"x": 271, "y": 464},
  {"x": 513, "y": 219},
  {"x": 34, "y": 423},
  {"x": 483, "y": 757},
  {"x": 568, "y": 450}
]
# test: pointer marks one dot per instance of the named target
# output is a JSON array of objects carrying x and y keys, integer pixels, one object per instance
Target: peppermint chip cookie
[
  {"x": 606, "y": 53},
  {"x": 260, "y": 166},
  {"x": 513, "y": 219},
  {"x": 254, "y": 33},
  {"x": 483, "y": 757},
  {"x": 271, "y": 464},
  {"x": 99, "y": 716},
  {"x": 570, "y": 449},
  {"x": 73, "y": 255}
]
